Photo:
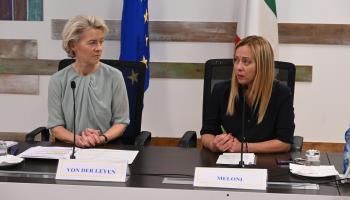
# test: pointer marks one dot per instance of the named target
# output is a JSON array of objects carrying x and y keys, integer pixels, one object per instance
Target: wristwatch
[{"x": 105, "y": 137}]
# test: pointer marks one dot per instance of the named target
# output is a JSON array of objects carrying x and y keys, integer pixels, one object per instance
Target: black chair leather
[
  {"x": 133, "y": 134},
  {"x": 219, "y": 70}
]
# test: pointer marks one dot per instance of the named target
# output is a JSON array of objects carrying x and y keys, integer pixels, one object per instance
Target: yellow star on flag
[
  {"x": 133, "y": 77},
  {"x": 145, "y": 16},
  {"x": 144, "y": 60}
]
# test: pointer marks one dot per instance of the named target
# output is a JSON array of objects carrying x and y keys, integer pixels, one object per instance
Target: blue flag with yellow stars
[{"x": 134, "y": 43}]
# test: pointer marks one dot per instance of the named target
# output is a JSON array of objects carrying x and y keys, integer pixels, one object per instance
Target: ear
[{"x": 72, "y": 45}]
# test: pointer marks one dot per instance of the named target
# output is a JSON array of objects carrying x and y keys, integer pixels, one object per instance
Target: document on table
[
  {"x": 10, "y": 143},
  {"x": 107, "y": 154},
  {"x": 313, "y": 171},
  {"x": 83, "y": 154},
  {"x": 47, "y": 152},
  {"x": 234, "y": 158}
]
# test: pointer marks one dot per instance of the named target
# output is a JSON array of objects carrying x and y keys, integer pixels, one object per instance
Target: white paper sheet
[
  {"x": 84, "y": 154},
  {"x": 47, "y": 152},
  {"x": 234, "y": 158},
  {"x": 9, "y": 160},
  {"x": 107, "y": 154},
  {"x": 10, "y": 143},
  {"x": 313, "y": 171}
]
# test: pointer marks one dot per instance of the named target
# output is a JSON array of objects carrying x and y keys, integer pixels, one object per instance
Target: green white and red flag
[{"x": 258, "y": 17}]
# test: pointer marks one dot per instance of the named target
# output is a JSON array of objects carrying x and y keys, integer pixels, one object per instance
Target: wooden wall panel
[
  {"x": 158, "y": 69},
  {"x": 196, "y": 71},
  {"x": 314, "y": 33},
  {"x": 324, "y": 146},
  {"x": 18, "y": 49},
  {"x": 167, "y": 31},
  {"x": 35, "y": 10},
  {"x": 303, "y": 73},
  {"x": 177, "y": 70},
  {"x": 57, "y": 26},
  {"x": 20, "y": 9},
  {"x": 290, "y": 33},
  {"x": 6, "y": 10},
  {"x": 192, "y": 31},
  {"x": 28, "y": 66},
  {"x": 19, "y": 84},
  {"x": 15, "y": 83}
]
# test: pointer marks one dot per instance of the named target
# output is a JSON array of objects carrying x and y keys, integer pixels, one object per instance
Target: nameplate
[
  {"x": 92, "y": 170},
  {"x": 231, "y": 178}
]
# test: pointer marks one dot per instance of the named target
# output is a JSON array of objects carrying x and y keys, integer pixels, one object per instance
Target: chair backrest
[
  {"x": 219, "y": 70},
  {"x": 135, "y": 90}
]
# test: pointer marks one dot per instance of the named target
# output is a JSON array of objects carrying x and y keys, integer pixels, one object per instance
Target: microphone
[
  {"x": 243, "y": 139},
  {"x": 72, "y": 85}
]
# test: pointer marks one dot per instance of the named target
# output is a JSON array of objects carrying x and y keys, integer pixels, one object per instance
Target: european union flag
[{"x": 134, "y": 43}]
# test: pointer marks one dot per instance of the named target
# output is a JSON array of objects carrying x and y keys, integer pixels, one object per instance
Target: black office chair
[
  {"x": 135, "y": 90},
  {"x": 219, "y": 70}
]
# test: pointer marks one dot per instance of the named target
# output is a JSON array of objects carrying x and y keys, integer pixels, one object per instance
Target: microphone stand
[
  {"x": 72, "y": 84},
  {"x": 243, "y": 140}
]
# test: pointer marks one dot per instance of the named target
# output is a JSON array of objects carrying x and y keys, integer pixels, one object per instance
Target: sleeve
[
  {"x": 285, "y": 118},
  {"x": 120, "y": 103},
  {"x": 55, "y": 111},
  {"x": 211, "y": 113}
]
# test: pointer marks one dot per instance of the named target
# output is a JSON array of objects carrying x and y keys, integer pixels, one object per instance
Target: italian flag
[{"x": 258, "y": 17}]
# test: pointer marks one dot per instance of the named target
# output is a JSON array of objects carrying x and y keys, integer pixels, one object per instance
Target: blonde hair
[
  {"x": 76, "y": 26},
  {"x": 261, "y": 88}
]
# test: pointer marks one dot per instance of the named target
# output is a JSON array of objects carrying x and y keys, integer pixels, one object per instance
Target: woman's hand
[
  {"x": 222, "y": 142},
  {"x": 236, "y": 146},
  {"x": 90, "y": 138}
]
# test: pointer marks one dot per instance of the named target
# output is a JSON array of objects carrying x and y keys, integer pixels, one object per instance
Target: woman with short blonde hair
[
  {"x": 101, "y": 100},
  {"x": 76, "y": 26}
]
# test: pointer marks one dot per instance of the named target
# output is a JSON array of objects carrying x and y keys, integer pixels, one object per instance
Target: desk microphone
[
  {"x": 243, "y": 139},
  {"x": 72, "y": 85}
]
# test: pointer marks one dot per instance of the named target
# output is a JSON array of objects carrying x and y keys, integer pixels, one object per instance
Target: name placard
[
  {"x": 231, "y": 178},
  {"x": 92, "y": 170}
]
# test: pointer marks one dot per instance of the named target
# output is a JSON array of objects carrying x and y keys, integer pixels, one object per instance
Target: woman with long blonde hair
[{"x": 268, "y": 103}]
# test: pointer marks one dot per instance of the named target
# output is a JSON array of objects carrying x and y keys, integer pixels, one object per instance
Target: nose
[
  {"x": 99, "y": 46},
  {"x": 239, "y": 66}
]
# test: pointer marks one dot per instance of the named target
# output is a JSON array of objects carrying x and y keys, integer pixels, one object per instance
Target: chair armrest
[
  {"x": 188, "y": 140},
  {"x": 297, "y": 143},
  {"x": 45, "y": 134},
  {"x": 143, "y": 139}
]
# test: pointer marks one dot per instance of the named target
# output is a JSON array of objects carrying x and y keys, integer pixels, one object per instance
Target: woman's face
[
  {"x": 89, "y": 47},
  {"x": 244, "y": 65}
]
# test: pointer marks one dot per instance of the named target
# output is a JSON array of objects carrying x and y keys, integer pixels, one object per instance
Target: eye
[
  {"x": 92, "y": 42},
  {"x": 246, "y": 61}
]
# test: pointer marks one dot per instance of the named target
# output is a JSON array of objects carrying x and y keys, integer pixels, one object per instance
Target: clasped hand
[
  {"x": 89, "y": 138},
  {"x": 226, "y": 143}
]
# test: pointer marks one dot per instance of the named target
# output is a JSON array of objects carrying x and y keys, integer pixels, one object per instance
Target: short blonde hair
[
  {"x": 76, "y": 26},
  {"x": 261, "y": 89}
]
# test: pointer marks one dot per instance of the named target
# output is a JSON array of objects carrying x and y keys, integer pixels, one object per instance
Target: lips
[{"x": 240, "y": 77}]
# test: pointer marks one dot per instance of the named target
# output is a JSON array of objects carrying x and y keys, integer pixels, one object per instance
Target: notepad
[
  {"x": 107, "y": 154},
  {"x": 234, "y": 158},
  {"x": 83, "y": 154},
  {"x": 47, "y": 152},
  {"x": 313, "y": 171}
]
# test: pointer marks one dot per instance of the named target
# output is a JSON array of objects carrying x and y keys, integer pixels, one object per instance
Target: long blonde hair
[{"x": 261, "y": 88}]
